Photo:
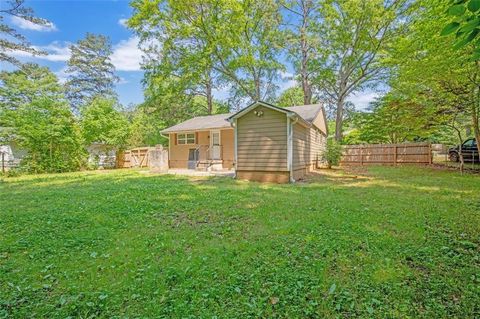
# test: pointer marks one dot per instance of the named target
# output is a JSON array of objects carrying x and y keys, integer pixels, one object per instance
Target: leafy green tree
[
  {"x": 101, "y": 122},
  {"x": 209, "y": 43},
  {"x": 27, "y": 83},
  {"x": 183, "y": 58},
  {"x": 247, "y": 48},
  {"x": 432, "y": 73},
  {"x": 91, "y": 72},
  {"x": 332, "y": 153},
  {"x": 392, "y": 120},
  {"x": 353, "y": 36},
  {"x": 145, "y": 129},
  {"x": 290, "y": 97},
  {"x": 466, "y": 24},
  {"x": 39, "y": 120},
  {"x": 11, "y": 40}
]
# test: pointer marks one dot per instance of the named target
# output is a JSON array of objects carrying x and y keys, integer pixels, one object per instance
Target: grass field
[{"x": 383, "y": 243}]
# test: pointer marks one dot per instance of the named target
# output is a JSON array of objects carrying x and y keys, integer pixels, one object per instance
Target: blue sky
[{"x": 71, "y": 20}]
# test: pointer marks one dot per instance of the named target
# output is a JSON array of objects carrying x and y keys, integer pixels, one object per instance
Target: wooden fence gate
[
  {"x": 387, "y": 154},
  {"x": 154, "y": 157},
  {"x": 136, "y": 157}
]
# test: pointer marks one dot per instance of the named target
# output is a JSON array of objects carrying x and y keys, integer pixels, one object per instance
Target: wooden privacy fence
[
  {"x": 154, "y": 157},
  {"x": 387, "y": 154}
]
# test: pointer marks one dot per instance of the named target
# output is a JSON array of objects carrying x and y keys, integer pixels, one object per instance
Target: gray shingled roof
[
  {"x": 306, "y": 112},
  {"x": 201, "y": 123}
]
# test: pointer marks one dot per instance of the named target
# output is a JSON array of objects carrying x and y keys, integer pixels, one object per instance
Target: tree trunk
[
  {"x": 306, "y": 87},
  {"x": 209, "y": 94},
  {"x": 339, "y": 120},
  {"x": 460, "y": 141},
  {"x": 257, "y": 89},
  {"x": 307, "y": 90},
  {"x": 476, "y": 113},
  {"x": 475, "y": 124}
]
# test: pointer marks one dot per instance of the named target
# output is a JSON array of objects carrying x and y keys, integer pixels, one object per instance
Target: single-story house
[{"x": 262, "y": 142}]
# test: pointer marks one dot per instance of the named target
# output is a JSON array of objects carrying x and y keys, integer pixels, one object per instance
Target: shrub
[{"x": 332, "y": 153}]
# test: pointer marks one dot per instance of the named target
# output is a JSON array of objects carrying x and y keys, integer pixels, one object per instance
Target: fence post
[
  {"x": 3, "y": 162},
  {"x": 361, "y": 155},
  {"x": 395, "y": 149},
  {"x": 430, "y": 154}
]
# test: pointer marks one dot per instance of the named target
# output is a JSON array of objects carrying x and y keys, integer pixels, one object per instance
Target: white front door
[{"x": 215, "y": 148}]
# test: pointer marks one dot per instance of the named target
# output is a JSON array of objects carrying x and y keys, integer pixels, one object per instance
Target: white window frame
[{"x": 184, "y": 139}]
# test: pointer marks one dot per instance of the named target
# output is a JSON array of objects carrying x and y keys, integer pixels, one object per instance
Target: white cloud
[
  {"x": 27, "y": 25},
  {"x": 62, "y": 75},
  {"x": 362, "y": 100},
  {"x": 122, "y": 80},
  {"x": 126, "y": 55},
  {"x": 57, "y": 52},
  {"x": 123, "y": 22},
  {"x": 288, "y": 80}
]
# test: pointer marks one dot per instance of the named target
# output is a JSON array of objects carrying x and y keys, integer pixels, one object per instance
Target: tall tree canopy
[
  {"x": 177, "y": 52},
  {"x": 91, "y": 73},
  {"x": 431, "y": 72},
  {"x": 247, "y": 46},
  {"x": 195, "y": 46},
  {"x": 11, "y": 40},
  {"x": 353, "y": 36}
]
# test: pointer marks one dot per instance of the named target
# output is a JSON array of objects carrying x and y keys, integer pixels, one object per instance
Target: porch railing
[{"x": 204, "y": 153}]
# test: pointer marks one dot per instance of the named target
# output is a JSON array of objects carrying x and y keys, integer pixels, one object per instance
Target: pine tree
[{"x": 91, "y": 71}]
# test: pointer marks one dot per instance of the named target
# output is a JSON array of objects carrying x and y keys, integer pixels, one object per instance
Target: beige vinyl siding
[
  {"x": 228, "y": 148},
  {"x": 320, "y": 123},
  {"x": 308, "y": 145},
  {"x": 317, "y": 144},
  {"x": 301, "y": 140},
  {"x": 262, "y": 141}
]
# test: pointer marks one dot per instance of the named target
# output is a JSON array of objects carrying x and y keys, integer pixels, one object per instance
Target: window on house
[
  {"x": 188, "y": 138},
  {"x": 317, "y": 137}
]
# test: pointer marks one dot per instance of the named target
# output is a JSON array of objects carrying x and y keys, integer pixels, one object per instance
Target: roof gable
[
  {"x": 253, "y": 106},
  {"x": 312, "y": 114}
]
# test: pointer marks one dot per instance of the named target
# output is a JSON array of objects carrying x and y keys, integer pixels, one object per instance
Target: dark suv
[{"x": 469, "y": 151}]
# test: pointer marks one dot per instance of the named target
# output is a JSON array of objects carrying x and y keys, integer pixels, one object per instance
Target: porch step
[{"x": 213, "y": 165}]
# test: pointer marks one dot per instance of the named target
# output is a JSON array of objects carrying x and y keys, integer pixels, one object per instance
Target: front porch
[
  {"x": 206, "y": 150},
  {"x": 206, "y": 158}
]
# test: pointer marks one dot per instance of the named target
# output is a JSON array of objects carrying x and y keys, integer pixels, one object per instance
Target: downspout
[
  {"x": 291, "y": 120},
  {"x": 235, "y": 152},
  {"x": 233, "y": 123}
]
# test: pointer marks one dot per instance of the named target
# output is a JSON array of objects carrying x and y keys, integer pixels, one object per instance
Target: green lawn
[{"x": 387, "y": 243}]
